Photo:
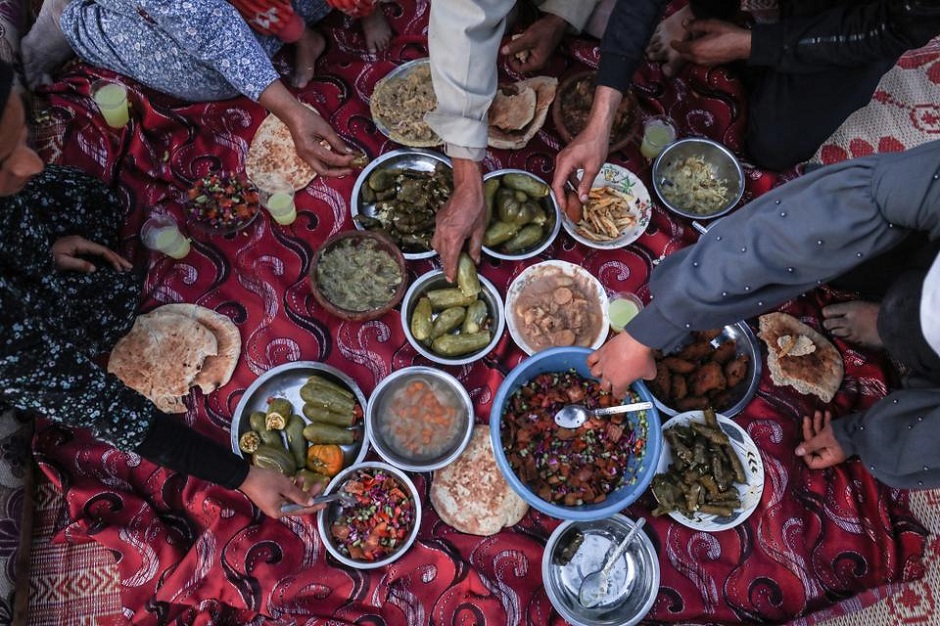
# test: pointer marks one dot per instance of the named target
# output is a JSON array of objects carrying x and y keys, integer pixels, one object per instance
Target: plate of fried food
[
  {"x": 710, "y": 475},
  {"x": 400, "y": 101},
  {"x": 718, "y": 368},
  {"x": 617, "y": 212}
]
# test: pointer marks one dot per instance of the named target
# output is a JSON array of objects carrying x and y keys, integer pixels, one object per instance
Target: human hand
[
  {"x": 318, "y": 144},
  {"x": 268, "y": 489},
  {"x": 820, "y": 448},
  {"x": 67, "y": 252},
  {"x": 587, "y": 151},
  {"x": 462, "y": 218},
  {"x": 531, "y": 50},
  {"x": 621, "y": 361},
  {"x": 714, "y": 42}
]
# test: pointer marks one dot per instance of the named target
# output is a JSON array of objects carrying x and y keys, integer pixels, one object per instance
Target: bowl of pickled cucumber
[
  {"x": 523, "y": 217},
  {"x": 453, "y": 324},
  {"x": 304, "y": 419}
]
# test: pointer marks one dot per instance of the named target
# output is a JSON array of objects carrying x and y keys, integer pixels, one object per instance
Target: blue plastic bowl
[{"x": 641, "y": 468}]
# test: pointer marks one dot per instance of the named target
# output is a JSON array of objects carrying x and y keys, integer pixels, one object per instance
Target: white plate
[
  {"x": 398, "y": 73},
  {"x": 750, "y": 492},
  {"x": 625, "y": 181},
  {"x": 534, "y": 272}
]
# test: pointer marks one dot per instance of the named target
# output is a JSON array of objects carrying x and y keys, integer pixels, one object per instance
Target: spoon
[
  {"x": 594, "y": 586},
  {"x": 573, "y": 415},
  {"x": 342, "y": 494}
]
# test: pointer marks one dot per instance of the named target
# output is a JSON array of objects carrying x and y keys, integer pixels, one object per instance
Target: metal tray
[
  {"x": 414, "y": 159},
  {"x": 285, "y": 381},
  {"x": 400, "y": 72}
]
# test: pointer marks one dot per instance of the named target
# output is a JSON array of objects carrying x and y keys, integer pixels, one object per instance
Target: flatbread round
[
  {"x": 272, "y": 155},
  {"x": 216, "y": 370},
  {"x": 161, "y": 356},
  {"x": 811, "y": 370},
  {"x": 499, "y": 134},
  {"x": 471, "y": 494}
]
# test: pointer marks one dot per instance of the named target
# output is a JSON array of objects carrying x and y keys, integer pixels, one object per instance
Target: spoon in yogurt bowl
[
  {"x": 595, "y": 585},
  {"x": 573, "y": 415}
]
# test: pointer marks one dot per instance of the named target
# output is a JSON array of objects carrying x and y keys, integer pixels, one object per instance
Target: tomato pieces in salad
[
  {"x": 378, "y": 522},
  {"x": 223, "y": 202},
  {"x": 563, "y": 465}
]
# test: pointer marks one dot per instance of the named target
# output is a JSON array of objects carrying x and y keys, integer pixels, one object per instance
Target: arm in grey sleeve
[
  {"x": 463, "y": 41},
  {"x": 790, "y": 240},
  {"x": 896, "y": 438}
]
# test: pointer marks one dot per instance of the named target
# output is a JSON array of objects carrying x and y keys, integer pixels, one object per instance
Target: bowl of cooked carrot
[{"x": 419, "y": 419}]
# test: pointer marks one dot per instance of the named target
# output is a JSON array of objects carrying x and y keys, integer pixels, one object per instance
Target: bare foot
[
  {"x": 670, "y": 29},
  {"x": 309, "y": 48},
  {"x": 377, "y": 31},
  {"x": 854, "y": 321}
]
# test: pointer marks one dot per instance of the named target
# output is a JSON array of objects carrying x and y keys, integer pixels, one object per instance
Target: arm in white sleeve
[{"x": 576, "y": 13}]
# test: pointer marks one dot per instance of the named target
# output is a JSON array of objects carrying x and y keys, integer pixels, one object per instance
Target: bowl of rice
[{"x": 698, "y": 178}]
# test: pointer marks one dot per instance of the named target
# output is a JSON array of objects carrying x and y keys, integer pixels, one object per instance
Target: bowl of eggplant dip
[
  {"x": 453, "y": 324},
  {"x": 522, "y": 215},
  {"x": 358, "y": 275},
  {"x": 400, "y": 193}
]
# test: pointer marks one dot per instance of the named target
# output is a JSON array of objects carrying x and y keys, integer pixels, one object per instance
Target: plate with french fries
[{"x": 617, "y": 211}]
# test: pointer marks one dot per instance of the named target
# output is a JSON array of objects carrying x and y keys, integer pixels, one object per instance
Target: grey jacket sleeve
[
  {"x": 897, "y": 438},
  {"x": 790, "y": 240}
]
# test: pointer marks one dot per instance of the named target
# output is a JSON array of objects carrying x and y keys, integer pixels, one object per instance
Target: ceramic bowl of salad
[
  {"x": 586, "y": 473},
  {"x": 222, "y": 203},
  {"x": 378, "y": 521},
  {"x": 420, "y": 419}
]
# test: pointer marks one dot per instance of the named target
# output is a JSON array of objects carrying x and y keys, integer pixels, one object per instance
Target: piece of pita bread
[
  {"x": 161, "y": 356},
  {"x": 512, "y": 111},
  {"x": 471, "y": 494},
  {"x": 272, "y": 156},
  {"x": 544, "y": 88},
  {"x": 818, "y": 371},
  {"x": 216, "y": 370}
]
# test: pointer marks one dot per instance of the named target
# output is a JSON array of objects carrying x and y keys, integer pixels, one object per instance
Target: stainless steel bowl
[
  {"x": 635, "y": 575},
  {"x": 435, "y": 280},
  {"x": 549, "y": 204},
  {"x": 722, "y": 161},
  {"x": 379, "y": 413},
  {"x": 415, "y": 159},
  {"x": 745, "y": 343}
]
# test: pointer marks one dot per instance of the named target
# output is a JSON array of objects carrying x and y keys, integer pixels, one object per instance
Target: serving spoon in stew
[{"x": 573, "y": 415}]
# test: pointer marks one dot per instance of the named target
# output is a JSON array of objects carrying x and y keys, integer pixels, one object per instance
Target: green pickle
[
  {"x": 256, "y": 421},
  {"x": 449, "y": 319},
  {"x": 468, "y": 281},
  {"x": 326, "y": 416},
  {"x": 458, "y": 345},
  {"x": 530, "y": 235},
  {"x": 524, "y": 182},
  {"x": 489, "y": 197},
  {"x": 477, "y": 313},
  {"x": 421, "y": 319},
  {"x": 448, "y": 297},
  {"x": 326, "y": 397},
  {"x": 279, "y": 411},
  {"x": 327, "y": 433},
  {"x": 274, "y": 458},
  {"x": 295, "y": 439},
  {"x": 249, "y": 442},
  {"x": 499, "y": 232}
]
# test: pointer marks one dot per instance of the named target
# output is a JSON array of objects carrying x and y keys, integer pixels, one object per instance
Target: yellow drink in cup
[
  {"x": 162, "y": 234},
  {"x": 277, "y": 196},
  {"x": 111, "y": 99},
  {"x": 658, "y": 132},
  {"x": 622, "y": 308}
]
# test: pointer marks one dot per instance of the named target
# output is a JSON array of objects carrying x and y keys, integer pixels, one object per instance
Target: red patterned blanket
[{"x": 193, "y": 553}]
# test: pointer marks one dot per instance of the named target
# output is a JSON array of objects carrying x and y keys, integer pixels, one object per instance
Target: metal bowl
[
  {"x": 550, "y": 229},
  {"x": 640, "y": 469},
  {"x": 722, "y": 161},
  {"x": 285, "y": 381},
  {"x": 435, "y": 280},
  {"x": 414, "y": 159},
  {"x": 379, "y": 414},
  {"x": 540, "y": 271},
  {"x": 326, "y": 516},
  {"x": 745, "y": 343},
  {"x": 635, "y": 576},
  {"x": 357, "y": 238}
]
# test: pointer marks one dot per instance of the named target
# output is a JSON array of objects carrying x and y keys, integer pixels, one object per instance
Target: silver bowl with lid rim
[
  {"x": 634, "y": 576},
  {"x": 724, "y": 165},
  {"x": 377, "y": 411}
]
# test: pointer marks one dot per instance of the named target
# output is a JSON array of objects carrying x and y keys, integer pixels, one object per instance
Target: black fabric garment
[{"x": 900, "y": 328}]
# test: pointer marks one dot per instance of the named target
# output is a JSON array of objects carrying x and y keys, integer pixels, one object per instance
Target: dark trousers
[{"x": 791, "y": 115}]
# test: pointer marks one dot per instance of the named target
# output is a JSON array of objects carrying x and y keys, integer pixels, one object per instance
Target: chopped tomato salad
[
  {"x": 568, "y": 466},
  {"x": 378, "y": 523},
  {"x": 223, "y": 202}
]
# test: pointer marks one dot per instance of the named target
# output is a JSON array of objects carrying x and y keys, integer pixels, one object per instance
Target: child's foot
[
  {"x": 376, "y": 30},
  {"x": 670, "y": 29},
  {"x": 308, "y": 49},
  {"x": 855, "y": 321}
]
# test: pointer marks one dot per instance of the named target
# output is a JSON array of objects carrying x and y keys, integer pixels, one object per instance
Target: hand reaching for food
[
  {"x": 820, "y": 448},
  {"x": 269, "y": 489},
  {"x": 67, "y": 253},
  {"x": 462, "y": 218},
  {"x": 621, "y": 361},
  {"x": 531, "y": 50}
]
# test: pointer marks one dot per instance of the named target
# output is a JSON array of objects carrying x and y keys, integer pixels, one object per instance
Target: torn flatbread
[
  {"x": 792, "y": 361},
  {"x": 272, "y": 156},
  {"x": 217, "y": 369},
  {"x": 512, "y": 129}
]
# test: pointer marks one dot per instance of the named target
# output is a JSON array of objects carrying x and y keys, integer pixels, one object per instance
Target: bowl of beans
[
  {"x": 378, "y": 519},
  {"x": 584, "y": 473},
  {"x": 420, "y": 419}
]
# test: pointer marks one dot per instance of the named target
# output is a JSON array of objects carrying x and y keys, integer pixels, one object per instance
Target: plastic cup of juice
[
  {"x": 658, "y": 132},
  {"x": 163, "y": 235},
  {"x": 111, "y": 99},
  {"x": 278, "y": 198},
  {"x": 621, "y": 308}
]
